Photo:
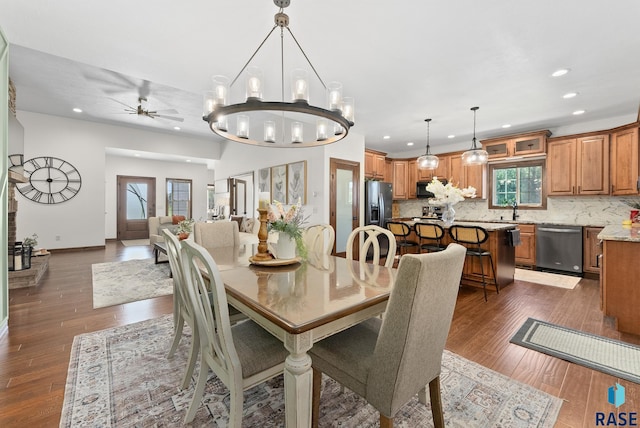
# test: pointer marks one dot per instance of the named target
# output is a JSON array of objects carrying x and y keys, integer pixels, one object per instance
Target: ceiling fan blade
[
  {"x": 167, "y": 111},
  {"x": 161, "y": 116},
  {"x": 126, "y": 105}
]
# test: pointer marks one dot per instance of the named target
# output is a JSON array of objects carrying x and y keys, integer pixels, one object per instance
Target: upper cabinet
[
  {"x": 464, "y": 176},
  {"x": 374, "y": 165},
  {"x": 519, "y": 145},
  {"x": 624, "y": 161},
  {"x": 400, "y": 176},
  {"x": 441, "y": 172},
  {"x": 412, "y": 178},
  {"x": 578, "y": 166}
]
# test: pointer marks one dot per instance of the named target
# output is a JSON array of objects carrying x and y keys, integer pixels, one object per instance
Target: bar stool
[
  {"x": 432, "y": 233},
  {"x": 401, "y": 231},
  {"x": 474, "y": 237}
]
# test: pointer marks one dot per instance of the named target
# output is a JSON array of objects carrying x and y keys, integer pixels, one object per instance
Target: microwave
[{"x": 421, "y": 189}]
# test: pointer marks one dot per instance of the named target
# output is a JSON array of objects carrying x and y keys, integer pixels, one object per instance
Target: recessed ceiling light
[
  {"x": 386, "y": 137},
  {"x": 77, "y": 110},
  {"x": 137, "y": 155},
  {"x": 578, "y": 112},
  {"x": 451, "y": 136},
  {"x": 177, "y": 128},
  {"x": 569, "y": 95},
  {"x": 506, "y": 125},
  {"x": 560, "y": 72},
  {"x": 410, "y": 143}
]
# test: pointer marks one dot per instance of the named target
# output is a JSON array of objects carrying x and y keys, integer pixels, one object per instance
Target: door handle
[{"x": 355, "y": 218}]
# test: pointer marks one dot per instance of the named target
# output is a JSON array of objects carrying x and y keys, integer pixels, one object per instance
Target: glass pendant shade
[
  {"x": 475, "y": 155},
  {"x": 428, "y": 161}
]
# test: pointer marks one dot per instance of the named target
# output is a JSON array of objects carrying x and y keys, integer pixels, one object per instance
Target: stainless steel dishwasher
[{"x": 559, "y": 248}]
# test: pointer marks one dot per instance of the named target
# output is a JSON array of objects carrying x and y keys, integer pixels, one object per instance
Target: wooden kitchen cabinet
[
  {"x": 526, "y": 251},
  {"x": 592, "y": 249},
  {"x": 624, "y": 161},
  {"x": 441, "y": 172},
  {"x": 388, "y": 171},
  {"x": 412, "y": 178},
  {"x": 465, "y": 176},
  {"x": 374, "y": 164},
  {"x": 400, "y": 176},
  {"x": 517, "y": 145},
  {"x": 578, "y": 166}
]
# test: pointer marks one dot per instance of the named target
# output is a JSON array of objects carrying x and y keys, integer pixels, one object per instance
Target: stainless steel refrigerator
[{"x": 378, "y": 197}]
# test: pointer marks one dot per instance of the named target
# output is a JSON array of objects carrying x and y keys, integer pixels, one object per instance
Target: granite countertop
[
  {"x": 620, "y": 233},
  {"x": 486, "y": 225}
]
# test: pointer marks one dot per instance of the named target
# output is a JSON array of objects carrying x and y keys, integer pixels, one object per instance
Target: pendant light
[
  {"x": 428, "y": 161},
  {"x": 476, "y": 155}
]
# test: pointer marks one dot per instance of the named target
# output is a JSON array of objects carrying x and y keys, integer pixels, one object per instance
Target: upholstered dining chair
[
  {"x": 183, "y": 310},
  {"x": 243, "y": 355},
  {"x": 389, "y": 361},
  {"x": 217, "y": 234},
  {"x": 473, "y": 237},
  {"x": 370, "y": 235},
  {"x": 430, "y": 236},
  {"x": 401, "y": 231},
  {"x": 319, "y": 238}
]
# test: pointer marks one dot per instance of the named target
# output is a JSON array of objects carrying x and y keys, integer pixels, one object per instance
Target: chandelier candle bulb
[
  {"x": 270, "y": 131},
  {"x": 299, "y": 85},
  {"x": 254, "y": 83},
  {"x": 321, "y": 130},
  {"x": 208, "y": 103},
  {"x": 222, "y": 123},
  {"x": 335, "y": 96},
  {"x": 348, "y": 107},
  {"x": 243, "y": 126},
  {"x": 221, "y": 90},
  {"x": 296, "y": 132}
]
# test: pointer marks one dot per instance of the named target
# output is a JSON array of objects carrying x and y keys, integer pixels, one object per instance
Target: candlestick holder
[{"x": 263, "y": 234}]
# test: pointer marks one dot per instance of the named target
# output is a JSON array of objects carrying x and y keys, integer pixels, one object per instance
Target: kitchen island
[
  {"x": 499, "y": 244},
  {"x": 619, "y": 287}
]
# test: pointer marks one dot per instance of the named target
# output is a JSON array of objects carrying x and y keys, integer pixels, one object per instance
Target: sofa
[{"x": 156, "y": 224}]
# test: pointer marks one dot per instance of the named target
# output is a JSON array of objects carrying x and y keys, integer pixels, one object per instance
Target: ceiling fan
[{"x": 141, "y": 110}]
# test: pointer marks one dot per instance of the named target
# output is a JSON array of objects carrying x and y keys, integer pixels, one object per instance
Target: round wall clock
[{"x": 51, "y": 180}]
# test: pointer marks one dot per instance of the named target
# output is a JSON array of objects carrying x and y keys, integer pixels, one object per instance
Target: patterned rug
[
  {"x": 122, "y": 282},
  {"x": 121, "y": 377},
  {"x": 619, "y": 359}
]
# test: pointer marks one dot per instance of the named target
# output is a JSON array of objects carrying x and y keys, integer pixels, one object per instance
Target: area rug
[
  {"x": 122, "y": 282},
  {"x": 135, "y": 242},
  {"x": 121, "y": 377},
  {"x": 547, "y": 278},
  {"x": 599, "y": 353}
]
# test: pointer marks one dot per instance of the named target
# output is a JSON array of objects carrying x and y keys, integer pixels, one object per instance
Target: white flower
[{"x": 448, "y": 193}]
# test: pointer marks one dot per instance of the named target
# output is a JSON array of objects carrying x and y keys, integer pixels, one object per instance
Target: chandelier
[
  {"x": 475, "y": 155},
  {"x": 427, "y": 160},
  {"x": 300, "y": 123}
]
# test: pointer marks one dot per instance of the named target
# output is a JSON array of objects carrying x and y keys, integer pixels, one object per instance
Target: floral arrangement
[
  {"x": 185, "y": 226},
  {"x": 448, "y": 193},
  {"x": 30, "y": 241},
  {"x": 289, "y": 222}
]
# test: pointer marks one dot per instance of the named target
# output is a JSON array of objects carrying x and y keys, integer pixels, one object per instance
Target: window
[
  {"x": 179, "y": 197},
  {"x": 522, "y": 183}
]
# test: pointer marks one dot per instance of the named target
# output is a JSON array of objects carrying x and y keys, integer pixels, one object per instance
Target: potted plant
[
  {"x": 288, "y": 224},
  {"x": 30, "y": 241},
  {"x": 185, "y": 227}
]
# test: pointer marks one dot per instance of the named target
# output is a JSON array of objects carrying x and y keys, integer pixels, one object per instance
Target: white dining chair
[
  {"x": 241, "y": 356},
  {"x": 319, "y": 238},
  {"x": 369, "y": 235}
]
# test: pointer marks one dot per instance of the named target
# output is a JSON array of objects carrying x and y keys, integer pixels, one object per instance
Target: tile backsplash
[{"x": 582, "y": 211}]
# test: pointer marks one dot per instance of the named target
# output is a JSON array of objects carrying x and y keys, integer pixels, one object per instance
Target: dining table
[{"x": 301, "y": 302}]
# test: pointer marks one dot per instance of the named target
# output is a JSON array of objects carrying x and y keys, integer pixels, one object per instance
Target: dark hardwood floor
[{"x": 34, "y": 354}]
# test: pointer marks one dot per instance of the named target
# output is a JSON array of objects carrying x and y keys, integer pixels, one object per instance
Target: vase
[
  {"x": 448, "y": 214},
  {"x": 285, "y": 248}
]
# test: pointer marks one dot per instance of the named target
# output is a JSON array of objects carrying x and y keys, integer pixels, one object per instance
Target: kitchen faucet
[{"x": 515, "y": 211}]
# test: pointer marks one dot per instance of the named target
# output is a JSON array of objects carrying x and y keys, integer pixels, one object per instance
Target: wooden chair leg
[
  {"x": 436, "y": 403},
  {"x": 385, "y": 422},
  {"x": 315, "y": 398}
]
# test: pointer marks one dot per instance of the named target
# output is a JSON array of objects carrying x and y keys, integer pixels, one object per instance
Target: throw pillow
[
  {"x": 248, "y": 225},
  {"x": 177, "y": 219},
  {"x": 239, "y": 219}
]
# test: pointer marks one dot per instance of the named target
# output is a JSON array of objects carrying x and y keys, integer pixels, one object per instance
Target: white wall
[
  {"x": 239, "y": 158},
  {"x": 82, "y": 221},
  {"x": 161, "y": 170}
]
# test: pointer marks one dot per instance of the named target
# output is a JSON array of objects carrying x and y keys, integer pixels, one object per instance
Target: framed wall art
[
  {"x": 279, "y": 183},
  {"x": 297, "y": 182},
  {"x": 264, "y": 181}
]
